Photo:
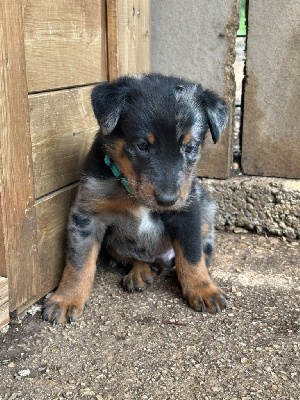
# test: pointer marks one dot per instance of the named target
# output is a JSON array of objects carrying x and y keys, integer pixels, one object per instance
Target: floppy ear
[
  {"x": 217, "y": 113},
  {"x": 107, "y": 102}
]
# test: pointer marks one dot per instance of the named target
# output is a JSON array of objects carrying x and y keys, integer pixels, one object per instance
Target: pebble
[
  {"x": 24, "y": 372},
  {"x": 86, "y": 392}
]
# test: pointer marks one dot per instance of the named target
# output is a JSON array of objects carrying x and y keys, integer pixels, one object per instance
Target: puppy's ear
[
  {"x": 217, "y": 113},
  {"x": 107, "y": 101}
]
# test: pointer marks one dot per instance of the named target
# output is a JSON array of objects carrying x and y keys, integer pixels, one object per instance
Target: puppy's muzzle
[{"x": 166, "y": 199}]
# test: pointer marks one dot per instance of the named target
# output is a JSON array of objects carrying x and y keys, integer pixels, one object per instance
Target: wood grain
[
  {"x": 3, "y": 270},
  {"x": 4, "y": 309},
  {"x": 62, "y": 126},
  {"x": 52, "y": 216},
  {"x": 128, "y": 37},
  {"x": 65, "y": 43},
  {"x": 17, "y": 187}
]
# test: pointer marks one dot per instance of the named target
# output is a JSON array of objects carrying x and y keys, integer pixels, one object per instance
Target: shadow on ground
[{"x": 151, "y": 345}]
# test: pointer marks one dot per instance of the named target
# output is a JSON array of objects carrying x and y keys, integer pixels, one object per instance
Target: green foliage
[{"x": 242, "y": 29}]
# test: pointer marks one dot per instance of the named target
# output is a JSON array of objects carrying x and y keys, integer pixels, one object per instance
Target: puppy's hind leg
[{"x": 140, "y": 275}]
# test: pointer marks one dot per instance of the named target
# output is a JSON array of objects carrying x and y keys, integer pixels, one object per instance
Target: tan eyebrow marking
[
  {"x": 187, "y": 138},
  {"x": 151, "y": 138}
]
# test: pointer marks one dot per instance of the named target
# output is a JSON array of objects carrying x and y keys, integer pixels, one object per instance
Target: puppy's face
[{"x": 153, "y": 127}]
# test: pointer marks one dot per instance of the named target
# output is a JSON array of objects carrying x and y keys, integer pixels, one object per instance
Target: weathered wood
[
  {"x": 64, "y": 42},
  {"x": 128, "y": 37},
  {"x": 4, "y": 308},
  {"x": 52, "y": 215},
  {"x": 17, "y": 197},
  {"x": 62, "y": 129},
  {"x": 3, "y": 271},
  {"x": 271, "y": 118}
]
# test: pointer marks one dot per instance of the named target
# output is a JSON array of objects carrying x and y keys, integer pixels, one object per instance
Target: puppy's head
[{"x": 153, "y": 127}]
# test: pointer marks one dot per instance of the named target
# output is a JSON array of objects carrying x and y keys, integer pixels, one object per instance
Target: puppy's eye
[
  {"x": 189, "y": 148},
  {"x": 142, "y": 146}
]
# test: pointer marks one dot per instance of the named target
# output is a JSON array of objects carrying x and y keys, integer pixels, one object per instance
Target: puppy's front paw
[
  {"x": 61, "y": 308},
  {"x": 206, "y": 297}
]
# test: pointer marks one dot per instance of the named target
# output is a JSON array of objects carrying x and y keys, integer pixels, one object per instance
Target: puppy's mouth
[{"x": 161, "y": 200}]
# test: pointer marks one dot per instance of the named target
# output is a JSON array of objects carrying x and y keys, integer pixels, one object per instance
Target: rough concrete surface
[
  {"x": 151, "y": 345},
  {"x": 261, "y": 205},
  {"x": 271, "y": 139},
  {"x": 190, "y": 39}
]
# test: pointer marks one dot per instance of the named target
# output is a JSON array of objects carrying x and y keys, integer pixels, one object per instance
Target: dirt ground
[{"x": 151, "y": 345}]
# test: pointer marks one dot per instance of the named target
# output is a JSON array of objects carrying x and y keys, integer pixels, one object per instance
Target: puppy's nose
[{"x": 166, "y": 199}]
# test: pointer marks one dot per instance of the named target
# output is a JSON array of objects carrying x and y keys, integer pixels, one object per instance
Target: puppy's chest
[
  {"x": 146, "y": 223},
  {"x": 140, "y": 235},
  {"x": 140, "y": 224}
]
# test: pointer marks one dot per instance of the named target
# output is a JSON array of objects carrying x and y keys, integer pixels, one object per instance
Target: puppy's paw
[
  {"x": 138, "y": 277},
  {"x": 59, "y": 308},
  {"x": 206, "y": 297}
]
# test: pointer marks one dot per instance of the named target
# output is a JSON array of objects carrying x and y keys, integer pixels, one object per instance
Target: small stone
[
  {"x": 239, "y": 230},
  {"x": 34, "y": 309},
  {"x": 24, "y": 372},
  {"x": 86, "y": 392}
]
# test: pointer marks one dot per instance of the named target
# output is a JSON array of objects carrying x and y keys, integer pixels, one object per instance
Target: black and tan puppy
[{"x": 138, "y": 196}]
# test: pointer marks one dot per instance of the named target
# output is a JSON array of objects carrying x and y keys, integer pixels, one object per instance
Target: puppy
[{"x": 138, "y": 196}]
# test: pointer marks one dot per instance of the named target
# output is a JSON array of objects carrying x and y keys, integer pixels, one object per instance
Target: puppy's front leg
[
  {"x": 197, "y": 286},
  {"x": 84, "y": 239}
]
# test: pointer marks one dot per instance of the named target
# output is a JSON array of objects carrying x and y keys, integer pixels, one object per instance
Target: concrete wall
[
  {"x": 191, "y": 39},
  {"x": 261, "y": 205},
  {"x": 271, "y": 127},
  {"x": 195, "y": 39}
]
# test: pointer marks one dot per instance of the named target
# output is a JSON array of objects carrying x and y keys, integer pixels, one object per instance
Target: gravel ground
[{"x": 151, "y": 345}]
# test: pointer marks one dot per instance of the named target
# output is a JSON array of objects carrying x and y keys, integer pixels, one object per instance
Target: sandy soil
[{"x": 151, "y": 345}]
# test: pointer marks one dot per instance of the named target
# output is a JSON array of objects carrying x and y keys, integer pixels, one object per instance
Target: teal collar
[{"x": 117, "y": 173}]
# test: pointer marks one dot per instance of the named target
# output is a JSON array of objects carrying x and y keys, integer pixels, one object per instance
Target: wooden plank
[
  {"x": 52, "y": 215},
  {"x": 17, "y": 197},
  {"x": 4, "y": 308},
  {"x": 128, "y": 37},
  {"x": 65, "y": 43},
  {"x": 3, "y": 271},
  {"x": 62, "y": 129},
  {"x": 271, "y": 134}
]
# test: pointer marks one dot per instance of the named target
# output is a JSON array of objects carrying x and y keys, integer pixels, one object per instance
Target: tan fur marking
[
  {"x": 205, "y": 228},
  {"x": 117, "y": 206},
  {"x": 151, "y": 138},
  {"x": 196, "y": 283},
  {"x": 185, "y": 186},
  {"x": 74, "y": 288},
  {"x": 147, "y": 188},
  {"x": 187, "y": 138},
  {"x": 138, "y": 277},
  {"x": 123, "y": 162}
]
